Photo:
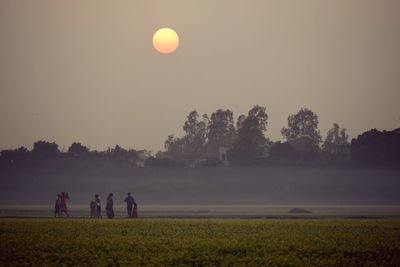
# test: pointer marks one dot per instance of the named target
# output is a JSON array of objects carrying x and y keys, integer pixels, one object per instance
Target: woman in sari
[{"x": 109, "y": 206}]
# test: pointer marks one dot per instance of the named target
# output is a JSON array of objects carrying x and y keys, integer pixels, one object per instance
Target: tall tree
[
  {"x": 221, "y": 129},
  {"x": 174, "y": 148},
  {"x": 240, "y": 120},
  {"x": 191, "y": 145},
  {"x": 336, "y": 145},
  {"x": 195, "y": 137},
  {"x": 335, "y": 138},
  {"x": 254, "y": 124},
  {"x": 303, "y": 135},
  {"x": 303, "y": 124},
  {"x": 250, "y": 144}
]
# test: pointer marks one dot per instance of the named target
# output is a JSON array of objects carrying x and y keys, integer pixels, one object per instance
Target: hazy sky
[{"x": 81, "y": 70}]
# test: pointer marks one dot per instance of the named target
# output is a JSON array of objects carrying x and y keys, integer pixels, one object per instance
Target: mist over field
[{"x": 251, "y": 185}]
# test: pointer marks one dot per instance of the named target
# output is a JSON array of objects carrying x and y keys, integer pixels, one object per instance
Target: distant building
[{"x": 223, "y": 155}]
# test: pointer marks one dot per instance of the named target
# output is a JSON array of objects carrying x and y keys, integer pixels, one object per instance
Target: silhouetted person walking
[
  {"x": 98, "y": 206},
  {"x": 63, "y": 204},
  {"x": 93, "y": 208},
  {"x": 131, "y": 206},
  {"x": 57, "y": 206},
  {"x": 109, "y": 206}
]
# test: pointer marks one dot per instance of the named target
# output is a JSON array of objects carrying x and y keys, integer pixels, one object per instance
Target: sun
[{"x": 165, "y": 40}]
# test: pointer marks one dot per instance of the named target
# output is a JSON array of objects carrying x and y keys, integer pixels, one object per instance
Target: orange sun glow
[{"x": 165, "y": 40}]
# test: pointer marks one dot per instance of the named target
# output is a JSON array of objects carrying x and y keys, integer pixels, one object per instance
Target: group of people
[
  {"x": 95, "y": 206},
  {"x": 60, "y": 208}
]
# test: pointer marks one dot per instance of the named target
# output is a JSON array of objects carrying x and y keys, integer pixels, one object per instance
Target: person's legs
[
  {"x": 129, "y": 209},
  {"x": 63, "y": 210},
  {"x": 110, "y": 213}
]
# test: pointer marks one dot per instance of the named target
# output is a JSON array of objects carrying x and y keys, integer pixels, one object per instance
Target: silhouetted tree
[
  {"x": 302, "y": 124},
  {"x": 377, "y": 148},
  {"x": 45, "y": 150},
  {"x": 77, "y": 150},
  {"x": 190, "y": 147},
  {"x": 133, "y": 156},
  {"x": 335, "y": 137},
  {"x": 221, "y": 130},
  {"x": 14, "y": 156},
  {"x": 174, "y": 148},
  {"x": 195, "y": 137},
  {"x": 121, "y": 155},
  {"x": 118, "y": 154},
  {"x": 250, "y": 145},
  {"x": 336, "y": 144},
  {"x": 240, "y": 121},
  {"x": 303, "y": 134}
]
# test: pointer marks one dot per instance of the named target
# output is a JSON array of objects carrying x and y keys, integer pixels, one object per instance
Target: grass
[{"x": 199, "y": 242}]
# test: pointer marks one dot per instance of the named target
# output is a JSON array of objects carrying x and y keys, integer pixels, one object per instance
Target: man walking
[
  {"x": 130, "y": 202},
  {"x": 109, "y": 206},
  {"x": 63, "y": 204}
]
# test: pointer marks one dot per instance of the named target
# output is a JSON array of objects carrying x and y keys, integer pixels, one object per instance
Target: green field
[{"x": 199, "y": 242}]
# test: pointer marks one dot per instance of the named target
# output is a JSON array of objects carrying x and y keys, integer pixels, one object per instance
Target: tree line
[{"x": 244, "y": 140}]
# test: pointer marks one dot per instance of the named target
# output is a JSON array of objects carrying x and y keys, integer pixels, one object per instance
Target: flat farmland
[{"x": 199, "y": 242}]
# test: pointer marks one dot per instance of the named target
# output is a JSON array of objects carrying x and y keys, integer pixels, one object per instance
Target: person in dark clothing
[
  {"x": 135, "y": 210},
  {"x": 63, "y": 204},
  {"x": 93, "y": 208},
  {"x": 109, "y": 206},
  {"x": 130, "y": 205},
  {"x": 57, "y": 206},
  {"x": 98, "y": 206}
]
